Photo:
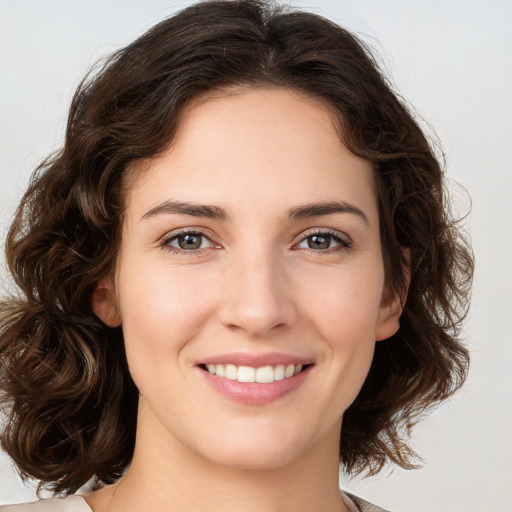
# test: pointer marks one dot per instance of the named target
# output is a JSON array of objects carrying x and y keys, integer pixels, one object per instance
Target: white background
[{"x": 452, "y": 60}]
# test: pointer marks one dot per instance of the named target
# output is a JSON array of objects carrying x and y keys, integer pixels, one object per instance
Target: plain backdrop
[{"x": 452, "y": 61}]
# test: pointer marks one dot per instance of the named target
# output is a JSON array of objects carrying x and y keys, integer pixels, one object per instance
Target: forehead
[{"x": 262, "y": 144}]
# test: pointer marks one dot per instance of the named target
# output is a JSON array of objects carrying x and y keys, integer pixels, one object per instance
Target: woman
[{"x": 239, "y": 272}]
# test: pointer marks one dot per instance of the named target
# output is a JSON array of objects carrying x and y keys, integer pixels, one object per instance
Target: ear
[
  {"x": 392, "y": 305},
  {"x": 103, "y": 302}
]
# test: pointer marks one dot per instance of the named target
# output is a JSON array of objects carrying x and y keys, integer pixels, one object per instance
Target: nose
[{"x": 258, "y": 295}]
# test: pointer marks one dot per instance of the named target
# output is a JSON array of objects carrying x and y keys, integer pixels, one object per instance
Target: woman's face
[{"x": 251, "y": 250}]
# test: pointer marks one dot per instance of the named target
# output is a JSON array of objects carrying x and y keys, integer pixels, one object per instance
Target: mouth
[
  {"x": 255, "y": 379},
  {"x": 261, "y": 375}
]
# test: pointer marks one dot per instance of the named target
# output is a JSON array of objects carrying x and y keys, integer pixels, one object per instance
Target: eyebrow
[
  {"x": 328, "y": 208},
  {"x": 218, "y": 213},
  {"x": 185, "y": 208}
]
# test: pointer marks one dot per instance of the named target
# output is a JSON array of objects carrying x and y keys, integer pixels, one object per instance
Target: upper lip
[{"x": 255, "y": 360}]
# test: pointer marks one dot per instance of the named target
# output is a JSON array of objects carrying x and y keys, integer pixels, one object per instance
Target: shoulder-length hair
[{"x": 70, "y": 402}]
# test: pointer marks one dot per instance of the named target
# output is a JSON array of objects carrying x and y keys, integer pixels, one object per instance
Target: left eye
[
  {"x": 322, "y": 242},
  {"x": 189, "y": 241}
]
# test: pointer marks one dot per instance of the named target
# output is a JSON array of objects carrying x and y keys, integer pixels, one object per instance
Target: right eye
[{"x": 187, "y": 241}]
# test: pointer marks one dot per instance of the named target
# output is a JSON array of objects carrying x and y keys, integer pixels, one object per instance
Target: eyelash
[
  {"x": 344, "y": 242},
  {"x": 166, "y": 242}
]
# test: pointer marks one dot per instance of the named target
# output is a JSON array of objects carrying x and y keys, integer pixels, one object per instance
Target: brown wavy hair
[{"x": 69, "y": 400}]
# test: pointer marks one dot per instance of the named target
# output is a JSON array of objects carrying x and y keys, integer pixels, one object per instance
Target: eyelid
[
  {"x": 342, "y": 238},
  {"x": 345, "y": 242},
  {"x": 164, "y": 241}
]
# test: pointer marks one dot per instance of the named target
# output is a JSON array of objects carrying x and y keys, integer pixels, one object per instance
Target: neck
[{"x": 169, "y": 476}]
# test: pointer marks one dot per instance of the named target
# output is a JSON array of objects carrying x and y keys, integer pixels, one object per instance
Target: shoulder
[
  {"x": 73, "y": 503},
  {"x": 362, "y": 505}
]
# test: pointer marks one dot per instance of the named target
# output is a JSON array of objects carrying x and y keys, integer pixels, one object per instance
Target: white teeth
[
  {"x": 231, "y": 372},
  {"x": 289, "y": 371},
  {"x": 246, "y": 374},
  {"x": 279, "y": 372},
  {"x": 265, "y": 374},
  {"x": 262, "y": 375}
]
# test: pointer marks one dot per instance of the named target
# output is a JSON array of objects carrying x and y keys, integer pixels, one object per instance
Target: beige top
[
  {"x": 72, "y": 503},
  {"x": 76, "y": 503}
]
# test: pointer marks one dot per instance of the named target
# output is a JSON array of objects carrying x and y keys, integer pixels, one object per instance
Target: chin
[
  {"x": 265, "y": 446},
  {"x": 253, "y": 459}
]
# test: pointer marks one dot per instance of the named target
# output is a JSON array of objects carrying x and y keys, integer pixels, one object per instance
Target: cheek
[
  {"x": 161, "y": 310},
  {"x": 345, "y": 314},
  {"x": 345, "y": 303}
]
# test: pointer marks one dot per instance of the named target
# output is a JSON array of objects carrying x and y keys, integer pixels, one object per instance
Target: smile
[
  {"x": 252, "y": 379},
  {"x": 261, "y": 375}
]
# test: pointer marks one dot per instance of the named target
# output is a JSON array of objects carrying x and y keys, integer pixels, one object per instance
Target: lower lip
[{"x": 254, "y": 393}]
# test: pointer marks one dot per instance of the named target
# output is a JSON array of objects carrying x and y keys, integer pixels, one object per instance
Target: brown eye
[
  {"x": 320, "y": 242},
  {"x": 325, "y": 242},
  {"x": 188, "y": 242}
]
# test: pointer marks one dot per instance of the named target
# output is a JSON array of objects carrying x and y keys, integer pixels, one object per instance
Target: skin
[{"x": 254, "y": 285}]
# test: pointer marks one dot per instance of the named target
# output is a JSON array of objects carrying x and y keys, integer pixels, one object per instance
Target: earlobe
[
  {"x": 388, "y": 321},
  {"x": 392, "y": 305},
  {"x": 103, "y": 302}
]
